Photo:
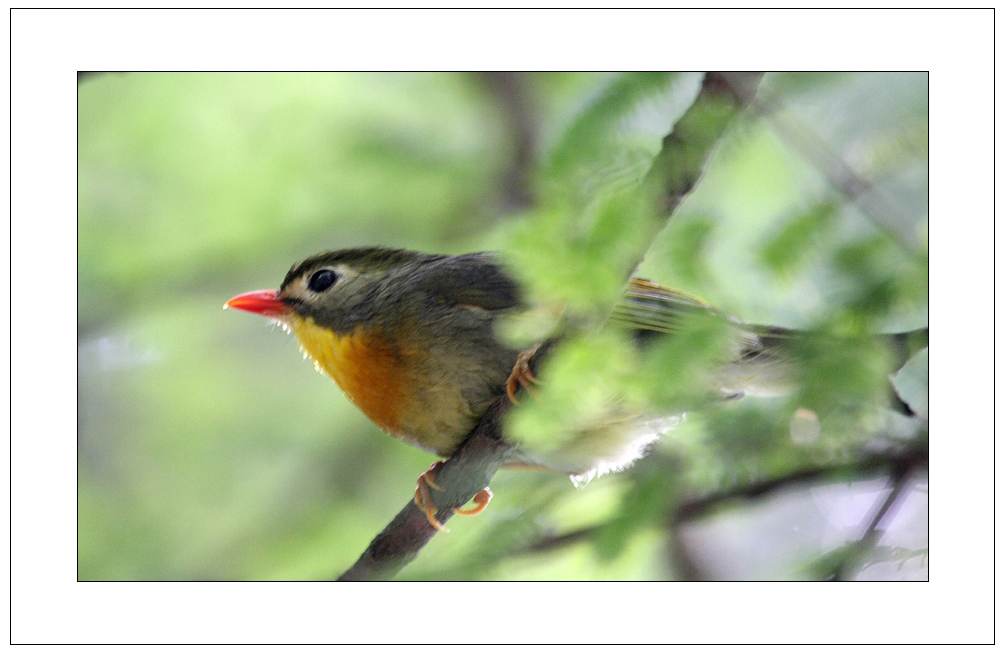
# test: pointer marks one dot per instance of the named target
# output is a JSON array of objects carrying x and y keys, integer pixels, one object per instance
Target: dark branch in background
[
  {"x": 902, "y": 473},
  {"x": 912, "y": 457},
  {"x": 899, "y": 464},
  {"x": 868, "y": 540},
  {"x": 83, "y": 75},
  {"x": 512, "y": 98},
  {"x": 553, "y": 542},
  {"x": 681, "y": 161},
  {"x": 674, "y": 172},
  {"x": 686, "y": 150},
  {"x": 683, "y": 564},
  {"x": 876, "y": 206}
]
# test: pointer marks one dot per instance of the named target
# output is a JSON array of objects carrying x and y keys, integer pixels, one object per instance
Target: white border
[{"x": 47, "y": 47}]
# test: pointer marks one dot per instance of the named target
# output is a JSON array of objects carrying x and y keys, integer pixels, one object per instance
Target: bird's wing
[
  {"x": 650, "y": 307},
  {"x": 472, "y": 280},
  {"x": 757, "y": 360}
]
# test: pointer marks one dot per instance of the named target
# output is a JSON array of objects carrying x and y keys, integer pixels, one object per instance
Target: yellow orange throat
[{"x": 371, "y": 373}]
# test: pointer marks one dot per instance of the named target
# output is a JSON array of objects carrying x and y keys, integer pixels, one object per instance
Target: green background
[{"x": 208, "y": 449}]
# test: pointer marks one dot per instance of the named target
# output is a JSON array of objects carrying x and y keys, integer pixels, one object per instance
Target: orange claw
[
  {"x": 425, "y": 502},
  {"x": 422, "y": 498},
  {"x": 521, "y": 374},
  {"x": 481, "y": 500}
]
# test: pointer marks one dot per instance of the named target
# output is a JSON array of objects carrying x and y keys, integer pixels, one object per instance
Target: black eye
[{"x": 322, "y": 280}]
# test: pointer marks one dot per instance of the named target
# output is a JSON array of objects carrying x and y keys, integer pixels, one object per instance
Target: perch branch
[{"x": 465, "y": 473}]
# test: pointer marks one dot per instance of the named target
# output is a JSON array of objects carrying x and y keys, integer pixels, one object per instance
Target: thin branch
[
  {"x": 899, "y": 463},
  {"x": 674, "y": 172},
  {"x": 511, "y": 92},
  {"x": 872, "y": 533},
  {"x": 914, "y": 456},
  {"x": 554, "y": 542},
  {"x": 680, "y": 559},
  {"x": 875, "y": 205}
]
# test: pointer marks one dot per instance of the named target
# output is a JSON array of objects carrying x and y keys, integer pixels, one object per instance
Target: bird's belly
[{"x": 390, "y": 386}]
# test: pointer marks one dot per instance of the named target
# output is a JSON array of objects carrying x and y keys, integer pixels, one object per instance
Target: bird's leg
[
  {"x": 521, "y": 375},
  {"x": 422, "y": 498},
  {"x": 425, "y": 503}
]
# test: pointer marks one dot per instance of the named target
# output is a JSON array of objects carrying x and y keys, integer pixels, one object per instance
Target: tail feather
[{"x": 762, "y": 361}]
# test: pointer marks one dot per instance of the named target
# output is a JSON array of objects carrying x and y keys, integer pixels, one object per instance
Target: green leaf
[
  {"x": 790, "y": 247},
  {"x": 593, "y": 129},
  {"x": 911, "y": 383}
]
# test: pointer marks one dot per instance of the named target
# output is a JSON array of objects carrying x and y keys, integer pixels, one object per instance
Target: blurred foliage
[{"x": 207, "y": 449}]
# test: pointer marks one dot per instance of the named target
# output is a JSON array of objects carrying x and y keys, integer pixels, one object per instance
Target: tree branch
[
  {"x": 875, "y": 205},
  {"x": 674, "y": 172},
  {"x": 512, "y": 97},
  {"x": 466, "y": 472},
  {"x": 899, "y": 464},
  {"x": 870, "y": 537},
  {"x": 914, "y": 456},
  {"x": 686, "y": 150}
]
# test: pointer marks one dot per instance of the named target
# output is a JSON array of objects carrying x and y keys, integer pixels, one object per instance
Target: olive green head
[
  {"x": 345, "y": 288},
  {"x": 359, "y": 260}
]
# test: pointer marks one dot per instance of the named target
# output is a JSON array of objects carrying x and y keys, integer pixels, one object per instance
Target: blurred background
[{"x": 208, "y": 449}]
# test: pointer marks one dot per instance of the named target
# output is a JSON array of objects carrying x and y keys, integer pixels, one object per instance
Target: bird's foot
[
  {"x": 521, "y": 375},
  {"x": 425, "y": 503}
]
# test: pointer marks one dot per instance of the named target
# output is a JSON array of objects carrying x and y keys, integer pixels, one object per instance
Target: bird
[{"x": 411, "y": 339}]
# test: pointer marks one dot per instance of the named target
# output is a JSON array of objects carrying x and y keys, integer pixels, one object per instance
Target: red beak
[{"x": 263, "y": 302}]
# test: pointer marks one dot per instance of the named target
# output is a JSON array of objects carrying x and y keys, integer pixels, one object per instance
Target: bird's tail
[{"x": 758, "y": 360}]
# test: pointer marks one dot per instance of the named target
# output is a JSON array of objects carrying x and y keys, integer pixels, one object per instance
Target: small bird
[{"x": 411, "y": 340}]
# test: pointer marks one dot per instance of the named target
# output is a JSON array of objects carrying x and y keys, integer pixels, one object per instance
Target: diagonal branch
[
  {"x": 676, "y": 169},
  {"x": 465, "y": 473},
  {"x": 852, "y": 562},
  {"x": 468, "y": 470},
  {"x": 681, "y": 161},
  {"x": 876, "y": 206}
]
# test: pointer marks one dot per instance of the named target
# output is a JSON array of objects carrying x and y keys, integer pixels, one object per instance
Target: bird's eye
[{"x": 322, "y": 280}]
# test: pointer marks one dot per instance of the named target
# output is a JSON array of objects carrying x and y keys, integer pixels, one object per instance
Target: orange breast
[{"x": 371, "y": 372}]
